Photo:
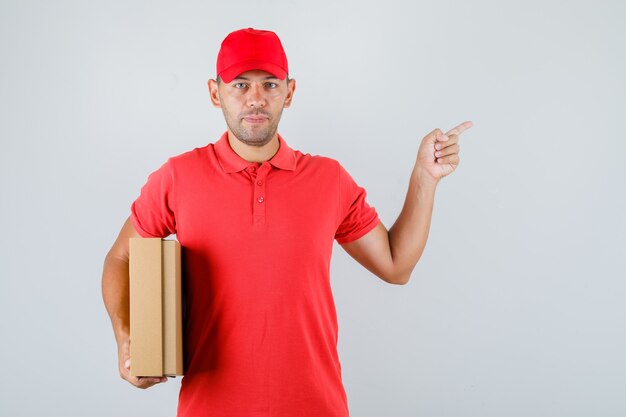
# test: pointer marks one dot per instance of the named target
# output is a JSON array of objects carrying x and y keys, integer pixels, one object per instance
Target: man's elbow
[
  {"x": 399, "y": 279},
  {"x": 403, "y": 280}
]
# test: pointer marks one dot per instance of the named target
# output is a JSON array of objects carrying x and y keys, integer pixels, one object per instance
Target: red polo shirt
[{"x": 261, "y": 326}]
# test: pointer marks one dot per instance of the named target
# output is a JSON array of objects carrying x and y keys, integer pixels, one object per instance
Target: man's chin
[
  {"x": 255, "y": 137},
  {"x": 255, "y": 140}
]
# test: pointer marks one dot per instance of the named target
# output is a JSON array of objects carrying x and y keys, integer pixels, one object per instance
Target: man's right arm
[{"x": 116, "y": 295}]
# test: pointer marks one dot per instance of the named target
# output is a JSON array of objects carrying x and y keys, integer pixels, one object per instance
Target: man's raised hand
[{"x": 438, "y": 154}]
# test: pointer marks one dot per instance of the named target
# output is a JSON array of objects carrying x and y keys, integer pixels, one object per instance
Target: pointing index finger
[{"x": 460, "y": 128}]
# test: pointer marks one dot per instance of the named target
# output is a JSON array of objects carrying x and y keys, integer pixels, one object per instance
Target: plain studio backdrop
[{"x": 517, "y": 305}]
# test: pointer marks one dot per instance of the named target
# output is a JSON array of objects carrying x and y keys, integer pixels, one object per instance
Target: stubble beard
[{"x": 256, "y": 135}]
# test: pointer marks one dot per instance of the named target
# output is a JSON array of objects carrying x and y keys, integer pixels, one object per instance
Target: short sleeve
[
  {"x": 152, "y": 212},
  {"x": 358, "y": 217}
]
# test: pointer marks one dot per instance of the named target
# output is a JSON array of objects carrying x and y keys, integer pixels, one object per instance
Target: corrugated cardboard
[
  {"x": 172, "y": 309},
  {"x": 155, "y": 307}
]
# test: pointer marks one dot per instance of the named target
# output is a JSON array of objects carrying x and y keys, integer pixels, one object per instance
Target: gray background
[{"x": 516, "y": 307}]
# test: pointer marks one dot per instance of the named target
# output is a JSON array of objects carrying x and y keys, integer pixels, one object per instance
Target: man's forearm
[
  {"x": 115, "y": 292},
  {"x": 408, "y": 235}
]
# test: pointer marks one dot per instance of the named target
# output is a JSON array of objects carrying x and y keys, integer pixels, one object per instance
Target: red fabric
[
  {"x": 261, "y": 326},
  {"x": 248, "y": 49}
]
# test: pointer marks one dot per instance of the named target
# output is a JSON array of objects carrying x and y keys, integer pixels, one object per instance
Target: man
[{"x": 257, "y": 221}]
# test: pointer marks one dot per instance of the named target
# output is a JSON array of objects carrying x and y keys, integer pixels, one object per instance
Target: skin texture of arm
[
  {"x": 392, "y": 254},
  {"x": 115, "y": 293}
]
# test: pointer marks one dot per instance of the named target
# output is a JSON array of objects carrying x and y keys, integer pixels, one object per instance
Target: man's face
[{"x": 253, "y": 103}]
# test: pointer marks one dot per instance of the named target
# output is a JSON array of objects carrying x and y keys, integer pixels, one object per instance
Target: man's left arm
[{"x": 392, "y": 254}]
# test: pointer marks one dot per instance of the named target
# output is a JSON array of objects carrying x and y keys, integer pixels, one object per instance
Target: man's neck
[{"x": 254, "y": 153}]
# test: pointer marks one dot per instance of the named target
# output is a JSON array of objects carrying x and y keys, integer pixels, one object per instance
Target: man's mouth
[{"x": 255, "y": 119}]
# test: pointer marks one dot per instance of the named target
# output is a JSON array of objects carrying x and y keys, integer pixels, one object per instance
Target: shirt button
[
  {"x": 259, "y": 183},
  {"x": 252, "y": 168},
  {"x": 260, "y": 199}
]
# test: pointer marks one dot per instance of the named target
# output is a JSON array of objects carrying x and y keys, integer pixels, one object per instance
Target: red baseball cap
[{"x": 248, "y": 49}]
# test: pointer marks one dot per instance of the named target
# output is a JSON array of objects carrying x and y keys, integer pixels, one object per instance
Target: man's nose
[{"x": 255, "y": 96}]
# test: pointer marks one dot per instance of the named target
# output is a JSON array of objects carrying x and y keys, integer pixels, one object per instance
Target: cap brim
[{"x": 233, "y": 71}]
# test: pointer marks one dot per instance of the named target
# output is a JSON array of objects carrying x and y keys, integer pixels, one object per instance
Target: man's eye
[
  {"x": 240, "y": 85},
  {"x": 271, "y": 85}
]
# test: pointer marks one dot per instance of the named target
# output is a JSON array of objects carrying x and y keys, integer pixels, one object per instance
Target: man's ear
[
  {"x": 291, "y": 88},
  {"x": 213, "y": 92}
]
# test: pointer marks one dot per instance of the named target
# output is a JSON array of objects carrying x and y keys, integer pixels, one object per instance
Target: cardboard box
[{"x": 156, "y": 336}]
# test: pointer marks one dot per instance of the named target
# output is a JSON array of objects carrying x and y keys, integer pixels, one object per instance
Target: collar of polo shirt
[{"x": 230, "y": 162}]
